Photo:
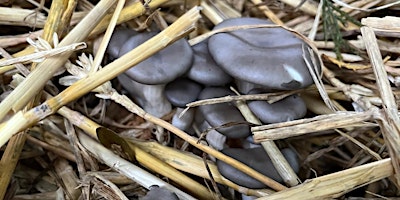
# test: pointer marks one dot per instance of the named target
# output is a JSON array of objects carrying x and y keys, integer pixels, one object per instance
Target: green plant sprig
[{"x": 331, "y": 16}]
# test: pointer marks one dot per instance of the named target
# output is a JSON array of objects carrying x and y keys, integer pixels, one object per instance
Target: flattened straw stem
[
  {"x": 45, "y": 70},
  {"x": 310, "y": 125},
  {"x": 210, "y": 13},
  {"x": 391, "y": 127},
  {"x": 336, "y": 184}
]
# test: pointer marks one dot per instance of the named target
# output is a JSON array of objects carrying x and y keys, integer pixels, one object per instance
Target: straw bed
[{"x": 89, "y": 140}]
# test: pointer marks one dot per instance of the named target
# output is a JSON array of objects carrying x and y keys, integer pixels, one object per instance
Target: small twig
[
  {"x": 361, "y": 145},
  {"x": 318, "y": 123},
  {"x": 270, "y": 97}
]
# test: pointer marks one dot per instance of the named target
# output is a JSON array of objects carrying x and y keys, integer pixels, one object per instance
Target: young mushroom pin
[{"x": 179, "y": 93}]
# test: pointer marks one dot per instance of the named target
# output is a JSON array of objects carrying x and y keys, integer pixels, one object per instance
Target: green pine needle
[{"x": 332, "y": 16}]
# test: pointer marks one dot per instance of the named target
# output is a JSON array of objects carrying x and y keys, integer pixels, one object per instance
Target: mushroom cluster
[{"x": 253, "y": 60}]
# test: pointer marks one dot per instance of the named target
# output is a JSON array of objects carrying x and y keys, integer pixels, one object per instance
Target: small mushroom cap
[
  {"x": 271, "y": 57},
  {"x": 204, "y": 69},
  {"x": 257, "y": 159},
  {"x": 213, "y": 137},
  {"x": 184, "y": 122},
  {"x": 223, "y": 114},
  {"x": 157, "y": 193},
  {"x": 119, "y": 37},
  {"x": 182, "y": 91},
  {"x": 287, "y": 109},
  {"x": 162, "y": 67}
]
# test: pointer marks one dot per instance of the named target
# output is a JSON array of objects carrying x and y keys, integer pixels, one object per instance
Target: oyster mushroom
[
  {"x": 257, "y": 159},
  {"x": 154, "y": 72},
  {"x": 118, "y": 39},
  {"x": 287, "y": 109},
  {"x": 204, "y": 70},
  {"x": 179, "y": 93},
  {"x": 271, "y": 57},
  {"x": 213, "y": 137},
  {"x": 157, "y": 192},
  {"x": 223, "y": 114}
]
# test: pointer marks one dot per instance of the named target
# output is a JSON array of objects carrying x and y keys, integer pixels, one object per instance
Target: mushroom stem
[{"x": 150, "y": 97}]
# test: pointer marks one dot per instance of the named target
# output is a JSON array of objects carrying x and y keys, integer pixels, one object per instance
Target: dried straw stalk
[
  {"x": 44, "y": 54},
  {"x": 337, "y": 184},
  {"x": 278, "y": 160},
  {"x": 192, "y": 164},
  {"x": 128, "y": 13},
  {"x": 6, "y": 41},
  {"x": 53, "y": 25},
  {"x": 267, "y": 12},
  {"x": 135, "y": 173},
  {"x": 159, "y": 166},
  {"x": 311, "y": 125},
  {"x": 389, "y": 121},
  {"x": 21, "y": 17},
  {"x": 45, "y": 70}
]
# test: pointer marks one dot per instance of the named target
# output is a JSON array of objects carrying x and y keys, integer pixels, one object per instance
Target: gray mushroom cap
[
  {"x": 118, "y": 39},
  {"x": 271, "y": 57},
  {"x": 157, "y": 193},
  {"x": 257, "y": 159},
  {"x": 223, "y": 114},
  {"x": 182, "y": 91},
  {"x": 204, "y": 69},
  {"x": 287, "y": 109},
  {"x": 162, "y": 67}
]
